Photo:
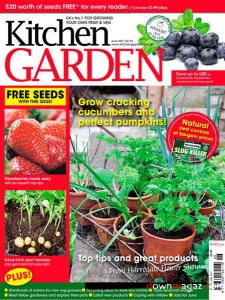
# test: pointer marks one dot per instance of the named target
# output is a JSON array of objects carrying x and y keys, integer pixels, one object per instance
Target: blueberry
[
  {"x": 199, "y": 49},
  {"x": 190, "y": 36},
  {"x": 173, "y": 39},
  {"x": 221, "y": 50},
  {"x": 191, "y": 64},
  {"x": 209, "y": 40},
  {"x": 209, "y": 56},
  {"x": 169, "y": 53},
  {"x": 187, "y": 51}
]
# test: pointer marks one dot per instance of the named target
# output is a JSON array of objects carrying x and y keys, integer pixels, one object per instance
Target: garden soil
[{"x": 12, "y": 230}]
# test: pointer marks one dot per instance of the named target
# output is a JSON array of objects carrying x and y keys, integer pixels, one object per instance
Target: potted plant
[
  {"x": 199, "y": 181},
  {"x": 171, "y": 233},
  {"x": 130, "y": 241},
  {"x": 114, "y": 205},
  {"x": 204, "y": 185},
  {"x": 138, "y": 153}
]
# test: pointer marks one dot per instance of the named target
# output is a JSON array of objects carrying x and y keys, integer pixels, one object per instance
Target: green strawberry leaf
[
  {"x": 177, "y": 23},
  {"x": 142, "y": 29},
  {"x": 145, "y": 40},
  {"x": 151, "y": 47},
  {"x": 148, "y": 49},
  {"x": 203, "y": 28},
  {"x": 190, "y": 24},
  {"x": 198, "y": 21},
  {"x": 187, "y": 16}
]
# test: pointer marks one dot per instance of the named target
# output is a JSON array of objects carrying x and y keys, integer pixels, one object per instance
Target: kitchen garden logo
[{"x": 158, "y": 28}]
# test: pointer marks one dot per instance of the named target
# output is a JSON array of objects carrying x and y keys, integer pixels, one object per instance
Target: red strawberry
[
  {"x": 12, "y": 115},
  {"x": 26, "y": 139},
  {"x": 21, "y": 165},
  {"x": 54, "y": 128},
  {"x": 57, "y": 152}
]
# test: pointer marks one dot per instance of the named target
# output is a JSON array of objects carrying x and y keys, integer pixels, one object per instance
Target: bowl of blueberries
[{"x": 191, "y": 47}]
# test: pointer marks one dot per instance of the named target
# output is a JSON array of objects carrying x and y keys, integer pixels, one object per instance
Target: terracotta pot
[
  {"x": 76, "y": 199},
  {"x": 107, "y": 224},
  {"x": 205, "y": 211},
  {"x": 133, "y": 202},
  {"x": 136, "y": 245},
  {"x": 162, "y": 247}
]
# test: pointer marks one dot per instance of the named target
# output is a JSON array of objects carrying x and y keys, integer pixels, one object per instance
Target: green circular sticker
[{"x": 158, "y": 28}]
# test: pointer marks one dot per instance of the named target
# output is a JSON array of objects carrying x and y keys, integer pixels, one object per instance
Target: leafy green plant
[
  {"x": 115, "y": 198},
  {"x": 49, "y": 202},
  {"x": 174, "y": 213},
  {"x": 186, "y": 20},
  {"x": 136, "y": 153},
  {"x": 218, "y": 162},
  {"x": 54, "y": 205},
  {"x": 199, "y": 271},
  {"x": 200, "y": 179}
]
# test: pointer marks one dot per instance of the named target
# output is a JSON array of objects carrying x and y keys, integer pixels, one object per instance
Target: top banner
[{"x": 95, "y": 6}]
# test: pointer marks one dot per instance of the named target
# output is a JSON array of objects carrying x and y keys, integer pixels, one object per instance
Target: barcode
[
  {"x": 217, "y": 267},
  {"x": 217, "y": 276},
  {"x": 216, "y": 270},
  {"x": 219, "y": 256}
]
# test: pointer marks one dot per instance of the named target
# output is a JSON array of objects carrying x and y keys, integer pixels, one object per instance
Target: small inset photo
[
  {"x": 35, "y": 141},
  {"x": 35, "y": 223}
]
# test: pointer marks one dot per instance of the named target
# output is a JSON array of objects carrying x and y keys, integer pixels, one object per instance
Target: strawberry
[
  {"x": 57, "y": 153},
  {"x": 57, "y": 114},
  {"x": 12, "y": 115},
  {"x": 54, "y": 128},
  {"x": 26, "y": 139},
  {"x": 21, "y": 166}
]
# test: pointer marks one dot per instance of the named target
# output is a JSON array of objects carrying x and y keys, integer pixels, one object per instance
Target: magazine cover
[{"x": 113, "y": 150}]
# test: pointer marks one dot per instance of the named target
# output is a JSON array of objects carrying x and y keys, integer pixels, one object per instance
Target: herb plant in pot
[
  {"x": 205, "y": 186},
  {"x": 138, "y": 153},
  {"x": 169, "y": 236}
]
